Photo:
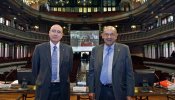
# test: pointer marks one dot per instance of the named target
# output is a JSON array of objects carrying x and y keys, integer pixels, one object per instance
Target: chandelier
[{"x": 29, "y": 2}]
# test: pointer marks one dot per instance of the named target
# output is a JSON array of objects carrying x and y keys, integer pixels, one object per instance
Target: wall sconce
[
  {"x": 36, "y": 27},
  {"x": 133, "y": 26}
]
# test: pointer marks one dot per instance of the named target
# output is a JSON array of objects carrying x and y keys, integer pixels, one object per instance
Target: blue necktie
[
  {"x": 104, "y": 72},
  {"x": 54, "y": 63}
]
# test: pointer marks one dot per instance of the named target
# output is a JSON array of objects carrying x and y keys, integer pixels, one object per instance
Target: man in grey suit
[
  {"x": 110, "y": 71},
  {"x": 51, "y": 65}
]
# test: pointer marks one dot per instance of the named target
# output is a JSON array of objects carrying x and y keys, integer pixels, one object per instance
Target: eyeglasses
[
  {"x": 109, "y": 34},
  {"x": 56, "y": 31}
]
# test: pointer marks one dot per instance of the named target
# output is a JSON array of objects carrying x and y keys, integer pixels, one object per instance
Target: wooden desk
[
  {"x": 79, "y": 94},
  {"x": 138, "y": 93},
  {"x": 31, "y": 90},
  {"x": 153, "y": 92},
  {"x": 17, "y": 90}
]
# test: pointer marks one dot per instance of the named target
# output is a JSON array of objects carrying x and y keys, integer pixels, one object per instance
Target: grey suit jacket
[
  {"x": 122, "y": 72},
  {"x": 41, "y": 68}
]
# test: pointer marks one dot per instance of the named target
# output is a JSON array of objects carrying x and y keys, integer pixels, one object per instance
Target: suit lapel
[
  {"x": 116, "y": 53},
  {"x": 61, "y": 72},
  {"x": 100, "y": 58},
  {"x": 101, "y": 55},
  {"x": 48, "y": 53},
  {"x": 61, "y": 54}
]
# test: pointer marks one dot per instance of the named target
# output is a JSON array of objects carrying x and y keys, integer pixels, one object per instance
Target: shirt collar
[
  {"x": 52, "y": 45},
  {"x": 112, "y": 47}
]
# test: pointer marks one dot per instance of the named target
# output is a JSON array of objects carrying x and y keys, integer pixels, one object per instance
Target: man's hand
[
  {"x": 129, "y": 98},
  {"x": 91, "y": 96}
]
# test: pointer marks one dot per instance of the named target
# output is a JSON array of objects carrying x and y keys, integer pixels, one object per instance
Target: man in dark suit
[
  {"x": 51, "y": 65},
  {"x": 110, "y": 71}
]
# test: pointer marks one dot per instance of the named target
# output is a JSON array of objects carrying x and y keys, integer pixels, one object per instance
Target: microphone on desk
[
  {"x": 157, "y": 85},
  {"x": 6, "y": 77}
]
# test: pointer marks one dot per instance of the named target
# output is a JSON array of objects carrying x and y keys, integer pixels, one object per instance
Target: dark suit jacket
[
  {"x": 41, "y": 68},
  {"x": 122, "y": 72}
]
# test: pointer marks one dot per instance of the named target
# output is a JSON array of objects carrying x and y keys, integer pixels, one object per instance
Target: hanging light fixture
[{"x": 29, "y": 2}]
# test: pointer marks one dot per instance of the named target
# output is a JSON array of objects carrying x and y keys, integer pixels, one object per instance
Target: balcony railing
[
  {"x": 164, "y": 30},
  {"x": 12, "y": 33},
  {"x": 28, "y": 36},
  {"x": 32, "y": 36}
]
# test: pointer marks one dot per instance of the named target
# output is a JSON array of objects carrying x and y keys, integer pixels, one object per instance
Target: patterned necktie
[
  {"x": 54, "y": 63},
  {"x": 104, "y": 72}
]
